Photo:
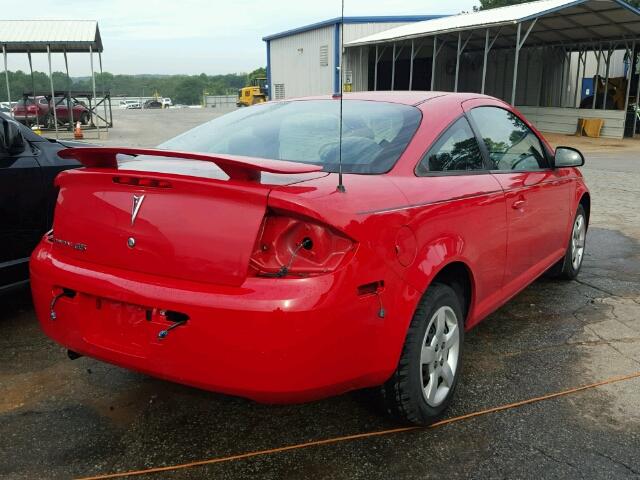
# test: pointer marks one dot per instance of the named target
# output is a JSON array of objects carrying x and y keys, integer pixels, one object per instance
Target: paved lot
[
  {"x": 60, "y": 419},
  {"x": 148, "y": 128}
]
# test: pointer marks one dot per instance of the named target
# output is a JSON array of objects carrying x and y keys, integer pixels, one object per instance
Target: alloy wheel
[
  {"x": 439, "y": 356},
  {"x": 578, "y": 237}
]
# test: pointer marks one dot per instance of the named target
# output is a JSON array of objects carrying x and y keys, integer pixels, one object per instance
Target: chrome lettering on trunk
[{"x": 81, "y": 247}]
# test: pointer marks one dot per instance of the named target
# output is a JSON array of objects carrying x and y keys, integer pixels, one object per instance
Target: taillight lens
[
  {"x": 303, "y": 246},
  {"x": 32, "y": 109}
]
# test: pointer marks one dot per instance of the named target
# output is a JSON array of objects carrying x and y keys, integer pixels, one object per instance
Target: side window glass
[
  {"x": 511, "y": 144},
  {"x": 455, "y": 151}
]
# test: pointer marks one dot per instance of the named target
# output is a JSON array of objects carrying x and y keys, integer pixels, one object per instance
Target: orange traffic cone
[{"x": 77, "y": 133}]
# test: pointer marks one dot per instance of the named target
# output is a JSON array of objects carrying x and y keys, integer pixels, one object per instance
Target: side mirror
[
  {"x": 568, "y": 157},
  {"x": 11, "y": 140}
]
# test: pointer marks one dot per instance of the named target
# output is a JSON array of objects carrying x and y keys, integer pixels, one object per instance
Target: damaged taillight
[{"x": 298, "y": 246}]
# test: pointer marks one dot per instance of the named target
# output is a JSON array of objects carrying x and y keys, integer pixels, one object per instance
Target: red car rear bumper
[{"x": 272, "y": 340}]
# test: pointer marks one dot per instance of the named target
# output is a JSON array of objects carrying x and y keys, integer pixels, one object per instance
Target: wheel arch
[
  {"x": 585, "y": 201},
  {"x": 447, "y": 260},
  {"x": 458, "y": 275}
]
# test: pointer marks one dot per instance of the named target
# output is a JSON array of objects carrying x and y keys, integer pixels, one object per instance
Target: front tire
[{"x": 424, "y": 383}]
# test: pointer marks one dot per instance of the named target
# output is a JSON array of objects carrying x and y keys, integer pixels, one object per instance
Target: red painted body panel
[
  {"x": 294, "y": 338},
  {"x": 194, "y": 229}
]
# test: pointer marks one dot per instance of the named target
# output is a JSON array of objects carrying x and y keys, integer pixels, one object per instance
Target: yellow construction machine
[{"x": 254, "y": 93}]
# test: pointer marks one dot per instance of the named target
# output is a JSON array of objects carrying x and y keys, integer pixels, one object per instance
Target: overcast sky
[{"x": 196, "y": 36}]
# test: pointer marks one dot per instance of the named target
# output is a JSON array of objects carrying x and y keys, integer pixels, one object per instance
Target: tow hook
[
  {"x": 65, "y": 293},
  {"x": 176, "y": 317}
]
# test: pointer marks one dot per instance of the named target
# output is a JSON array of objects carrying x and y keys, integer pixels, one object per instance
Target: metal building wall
[
  {"x": 295, "y": 59},
  {"x": 353, "y": 31},
  {"x": 616, "y": 69},
  {"x": 295, "y": 63},
  {"x": 537, "y": 78}
]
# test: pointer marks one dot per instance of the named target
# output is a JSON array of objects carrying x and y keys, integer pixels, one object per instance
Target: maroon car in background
[{"x": 40, "y": 111}]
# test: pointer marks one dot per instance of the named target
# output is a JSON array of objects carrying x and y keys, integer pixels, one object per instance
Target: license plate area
[{"x": 118, "y": 326}]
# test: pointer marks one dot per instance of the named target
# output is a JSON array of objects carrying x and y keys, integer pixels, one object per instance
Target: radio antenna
[{"x": 340, "y": 187}]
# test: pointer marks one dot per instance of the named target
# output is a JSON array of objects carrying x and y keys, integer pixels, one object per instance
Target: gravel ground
[{"x": 60, "y": 419}]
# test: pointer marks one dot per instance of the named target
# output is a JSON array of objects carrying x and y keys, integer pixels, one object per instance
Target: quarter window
[
  {"x": 455, "y": 151},
  {"x": 511, "y": 144}
]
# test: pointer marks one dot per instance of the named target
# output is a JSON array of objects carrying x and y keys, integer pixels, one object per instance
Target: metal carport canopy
[
  {"x": 22, "y": 36},
  {"x": 50, "y": 36},
  {"x": 557, "y": 22}
]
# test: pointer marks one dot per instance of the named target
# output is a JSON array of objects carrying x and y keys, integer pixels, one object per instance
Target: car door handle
[{"x": 518, "y": 204}]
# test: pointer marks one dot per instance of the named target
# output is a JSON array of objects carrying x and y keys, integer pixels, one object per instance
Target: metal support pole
[
  {"x": 361, "y": 76},
  {"x": 375, "y": 72},
  {"x": 33, "y": 87},
  {"x": 6, "y": 75},
  {"x": 93, "y": 85},
  {"x": 584, "y": 72},
  {"x": 629, "y": 77},
  {"x": 455, "y": 86},
  {"x": 104, "y": 95},
  {"x": 541, "y": 51},
  {"x": 596, "y": 78},
  {"x": 411, "y": 66},
  {"x": 393, "y": 67},
  {"x": 69, "y": 104},
  {"x": 484, "y": 62},
  {"x": 53, "y": 96},
  {"x": 433, "y": 62},
  {"x": 515, "y": 66},
  {"x": 505, "y": 89},
  {"x": 635, "y": 117},
  {"x": 576, "y": 91},
  {"x": 606, "y": 80},
  {"x": 563, "y": 87},
  {"x": 526, "y": 76}
]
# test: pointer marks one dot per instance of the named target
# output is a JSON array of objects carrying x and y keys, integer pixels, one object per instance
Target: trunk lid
[{"x": 169, "y": 225}]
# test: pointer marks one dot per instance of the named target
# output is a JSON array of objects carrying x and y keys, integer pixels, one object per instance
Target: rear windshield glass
[{"x": 374, "y": 134}]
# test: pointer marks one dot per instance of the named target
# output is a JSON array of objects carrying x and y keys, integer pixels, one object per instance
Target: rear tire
[
  {"x": 569, "y": 266},
  {"x": 424, "y": 383},
  {"x": 84, "y": 119}
]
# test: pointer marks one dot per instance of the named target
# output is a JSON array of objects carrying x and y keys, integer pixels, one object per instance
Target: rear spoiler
[{"x": 237, "y": 167}]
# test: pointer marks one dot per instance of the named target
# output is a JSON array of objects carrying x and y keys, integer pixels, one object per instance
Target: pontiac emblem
[{"x": 137, "y": 203}]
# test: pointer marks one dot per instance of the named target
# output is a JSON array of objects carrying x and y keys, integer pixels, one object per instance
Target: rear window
[{"x": 375, "y": 134}]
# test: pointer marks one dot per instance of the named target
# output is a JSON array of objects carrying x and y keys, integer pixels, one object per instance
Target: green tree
[
  {"x": 189, "y": 91},
  {"x": 257, "y": 73},
  {"x": 181, "y": 88}
]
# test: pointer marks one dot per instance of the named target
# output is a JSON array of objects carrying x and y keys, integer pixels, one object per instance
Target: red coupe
[
  {"x": 31, "y": 112},
  {"x": 234, "y": 258}
]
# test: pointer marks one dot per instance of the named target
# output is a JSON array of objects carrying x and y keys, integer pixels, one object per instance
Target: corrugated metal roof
[
  {"x": 35, "y": 35},
  {"x": 589, "y": 16}
]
